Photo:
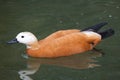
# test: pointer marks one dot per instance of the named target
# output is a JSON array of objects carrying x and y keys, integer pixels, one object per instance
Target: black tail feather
[
  {"x": 107, "y": 33},
  {"x": 96, "y": 27}
]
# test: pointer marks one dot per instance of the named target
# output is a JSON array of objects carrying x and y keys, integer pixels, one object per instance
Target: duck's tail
[
  {"x": 104, "y": 34},
  {"x": 107, "y": 33}
]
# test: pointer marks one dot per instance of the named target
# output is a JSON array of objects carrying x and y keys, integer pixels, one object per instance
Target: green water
[{"x": 43, "y": 17}]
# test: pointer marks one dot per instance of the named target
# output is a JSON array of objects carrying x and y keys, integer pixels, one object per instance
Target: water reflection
[{"x": 81, "y": 61}]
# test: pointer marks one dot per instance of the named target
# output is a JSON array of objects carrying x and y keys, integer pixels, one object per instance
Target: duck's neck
[{"x": 33, "y": 46}]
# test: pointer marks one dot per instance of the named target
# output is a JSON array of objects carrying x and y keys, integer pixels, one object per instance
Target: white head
[{"x": 26, "y": 38}]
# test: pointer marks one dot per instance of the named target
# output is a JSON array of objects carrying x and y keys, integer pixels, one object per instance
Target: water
[
  {"x": 42, "y": 17},
  {"x": 83, "y": 61}
]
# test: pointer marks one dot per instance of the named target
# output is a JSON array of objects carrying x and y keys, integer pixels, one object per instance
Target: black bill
[{"x": 13, "y": 41}]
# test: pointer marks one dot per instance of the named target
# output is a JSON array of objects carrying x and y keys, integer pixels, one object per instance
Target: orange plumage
[{"x": 63, "y": 42}]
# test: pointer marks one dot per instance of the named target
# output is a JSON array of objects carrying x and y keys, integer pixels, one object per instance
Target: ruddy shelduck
[{"x": 63, "y": 42}]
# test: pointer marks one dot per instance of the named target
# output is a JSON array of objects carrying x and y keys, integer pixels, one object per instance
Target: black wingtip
[{"x": 96, "y": 27}]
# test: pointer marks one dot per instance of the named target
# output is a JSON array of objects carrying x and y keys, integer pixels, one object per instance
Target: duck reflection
[{"x": 81, "y": 61}]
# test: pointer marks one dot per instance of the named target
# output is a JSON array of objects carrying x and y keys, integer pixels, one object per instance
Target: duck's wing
[
  {"x": 60, "y": 33},
  {"x": 96, "y": 27},
  {"x": 64, "y": 46}
]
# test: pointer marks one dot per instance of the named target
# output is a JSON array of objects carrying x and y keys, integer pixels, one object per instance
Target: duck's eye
[{"x": 22, "y": 36}]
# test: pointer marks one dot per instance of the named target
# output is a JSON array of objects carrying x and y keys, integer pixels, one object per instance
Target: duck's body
[
  {"x": 64, "y": 43},
  {"x": 61, "y": 43}
]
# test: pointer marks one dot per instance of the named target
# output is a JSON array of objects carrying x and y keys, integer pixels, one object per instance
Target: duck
[{"x": 63, "y": 42}]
